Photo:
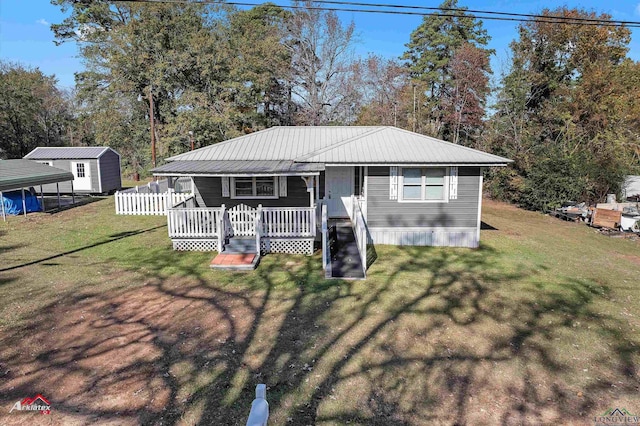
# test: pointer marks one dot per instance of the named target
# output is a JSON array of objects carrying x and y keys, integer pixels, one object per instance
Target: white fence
[
  {"x": 135, "y": 203},
  {"x": 289, "y": 221}
]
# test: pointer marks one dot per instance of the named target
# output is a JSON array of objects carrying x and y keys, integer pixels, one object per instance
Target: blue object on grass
[{"x": 12, "y": 201}]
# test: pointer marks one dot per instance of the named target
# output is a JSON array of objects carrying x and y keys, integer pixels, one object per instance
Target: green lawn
[{"x": 97, "y": 313}]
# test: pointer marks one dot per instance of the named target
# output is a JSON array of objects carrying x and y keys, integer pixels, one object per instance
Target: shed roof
[
  {"x": 230, "y": 167},
  {"x": 67, "y": 152},
  {"x": 16, "y": 174},
  {"x": 339, "y": 144}
]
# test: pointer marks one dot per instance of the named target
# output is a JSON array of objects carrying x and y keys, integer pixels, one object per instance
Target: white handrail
[
  {"x": 326, "y": 255},
  {"x": 360, "y": 231}
]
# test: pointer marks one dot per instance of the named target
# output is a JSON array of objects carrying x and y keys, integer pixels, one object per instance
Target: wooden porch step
[{"x": 235, "y": 262}]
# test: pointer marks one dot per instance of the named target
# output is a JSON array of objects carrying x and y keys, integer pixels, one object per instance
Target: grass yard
[{"x": 98, "y": 314}]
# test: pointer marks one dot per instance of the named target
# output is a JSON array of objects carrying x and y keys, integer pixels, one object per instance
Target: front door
[
  {"x": 81, "y": 176},
  {"x": 338, "y": 188}
]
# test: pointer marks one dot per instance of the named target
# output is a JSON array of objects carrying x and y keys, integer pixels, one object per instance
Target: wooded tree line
[{"x": 567, "y": 110}]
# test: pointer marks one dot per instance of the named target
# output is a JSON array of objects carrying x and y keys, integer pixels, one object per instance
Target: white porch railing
[
  {"x": 187, "y": 221},
  {"x": 289, "y": 221},
  {"x": 194, "y": 222},
  {"x": 134, "y": 203}
]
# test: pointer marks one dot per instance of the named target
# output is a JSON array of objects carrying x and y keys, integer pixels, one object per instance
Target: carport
[{"x": 21, "y": 174}]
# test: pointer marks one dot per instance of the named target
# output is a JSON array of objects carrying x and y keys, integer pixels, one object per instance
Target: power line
[
  {"x": 412, "y": 11},
  {"x": 487, "y": 12}
]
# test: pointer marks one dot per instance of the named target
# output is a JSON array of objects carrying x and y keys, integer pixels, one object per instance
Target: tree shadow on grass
[
  {"x": 109, "y": 239},
  {"x": 433, "y": 335}
]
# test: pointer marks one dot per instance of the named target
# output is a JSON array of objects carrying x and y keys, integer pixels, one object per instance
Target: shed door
[
  {"x": 338, "y": 189},
  {"x": 81, "y": 176}
]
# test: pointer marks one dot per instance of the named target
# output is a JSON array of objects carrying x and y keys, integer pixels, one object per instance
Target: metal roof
[
  {"x": 325, "y": 145},
  {"x": 67, "y": 152},
  {"x": 276, "y": 143},
  {"x": 16, "y": 174},
  {"x": 237, "y": 167},
  {"x": 392, "y": 145}
]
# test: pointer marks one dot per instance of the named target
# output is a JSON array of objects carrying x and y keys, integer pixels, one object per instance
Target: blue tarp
[{"x": 12, "y": 201}]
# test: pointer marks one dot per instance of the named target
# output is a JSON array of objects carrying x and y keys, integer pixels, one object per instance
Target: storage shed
[{"x": 95, "y": 169}]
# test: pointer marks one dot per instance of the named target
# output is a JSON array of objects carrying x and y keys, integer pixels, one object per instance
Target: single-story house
[
  {"x": 96, "y": 169},
  {"x": 284, "y": 185}
]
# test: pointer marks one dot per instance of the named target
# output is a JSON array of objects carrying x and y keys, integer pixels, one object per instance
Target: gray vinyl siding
[
  {"x": 65, "y": 187},
  {"x": 110, "y": 171},
  {"x": 208, "y": 192},
  {"x": 459, "y": 213}
]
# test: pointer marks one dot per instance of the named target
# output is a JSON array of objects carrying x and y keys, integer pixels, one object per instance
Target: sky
[{"x": 26, "y": 37}]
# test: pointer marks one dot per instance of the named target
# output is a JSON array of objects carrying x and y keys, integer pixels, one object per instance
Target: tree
[
  {"x": 432, "y": 47},
  {"x": 463, "y": 103},
  {"x": 321, "y": 71},
  {"x": 33, "y": 111},
  {"x": 381, "y": 82},
  {"x": 210, "y": 70},
  {"x": 567, "y": 107}
]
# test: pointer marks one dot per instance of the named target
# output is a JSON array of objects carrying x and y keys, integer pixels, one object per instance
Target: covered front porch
[
  {"x": 258, "y": 213},
  {"x": 259, "y": 230}
]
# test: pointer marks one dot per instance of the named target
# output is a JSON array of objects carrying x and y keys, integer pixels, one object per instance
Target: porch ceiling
[{"x": 196, "y": 167}]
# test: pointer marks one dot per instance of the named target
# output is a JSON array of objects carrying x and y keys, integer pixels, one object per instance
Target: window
[
  {"x": 254, "y": 187},
  {"x": 80, "y": 170},
  {"x": 423, "y": 184}
]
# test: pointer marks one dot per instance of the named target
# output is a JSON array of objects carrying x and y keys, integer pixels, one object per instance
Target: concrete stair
[
  {"x": 240, "y": 245},
  {"x": 239, "y": 254}
]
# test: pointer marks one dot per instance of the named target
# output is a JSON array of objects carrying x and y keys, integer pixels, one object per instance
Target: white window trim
[
  {"x": 276, "y": 190},
  {"x": 445, "y": 190}
]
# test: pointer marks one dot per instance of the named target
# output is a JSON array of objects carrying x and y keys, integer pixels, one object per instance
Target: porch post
[
  {"x": 58, "y": 191},
  {"x": 42, "y": 199},
  {"x": 24, "y": 203},
  {"x": 221, "y": 229},
  {"x": 73, "y": 196},
  {"x": 317, "y": 188},
  {"x": 258, "y": 225},
  {"x": 4, "y": 214},
  {"x": 312, "y": 196}
]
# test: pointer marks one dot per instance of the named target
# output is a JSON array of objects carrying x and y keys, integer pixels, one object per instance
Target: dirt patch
[{"x": 631, "y": 258}]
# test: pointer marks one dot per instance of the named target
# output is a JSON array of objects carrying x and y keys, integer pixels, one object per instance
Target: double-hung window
[
  {"x": 254, "y": 187},
  {"x": 424, "y": 184}
]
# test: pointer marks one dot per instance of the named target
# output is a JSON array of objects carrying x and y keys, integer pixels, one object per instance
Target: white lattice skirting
[
  {"x": 195, "y": 245},
  {"x": 287, "y": 245}
]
